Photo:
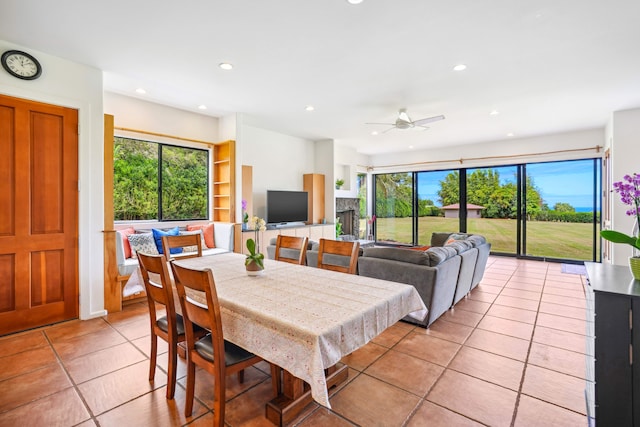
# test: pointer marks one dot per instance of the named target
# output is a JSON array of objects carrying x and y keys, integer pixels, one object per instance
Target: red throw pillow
[
  {"x": 125, "y": 241},
  {"x": 207, "y": 231},
  {"x": 419, "y": 248}
]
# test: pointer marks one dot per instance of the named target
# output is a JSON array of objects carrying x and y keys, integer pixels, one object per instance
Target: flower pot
[
  {"x": 634, "y": 266},
  {"x": 253, "y": 269}
]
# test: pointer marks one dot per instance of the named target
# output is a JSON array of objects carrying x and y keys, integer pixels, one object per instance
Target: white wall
[
  {"x": 625, "y": 152},
  {"x": 493, "y": 153},
  {"x": 135, "y": 113},
  {"x": 279, "y": 161},
  {"x": 76, "y": 86}
]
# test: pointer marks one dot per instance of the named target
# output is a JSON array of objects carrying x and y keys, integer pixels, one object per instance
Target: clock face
[{"x": 21, "y": 65}]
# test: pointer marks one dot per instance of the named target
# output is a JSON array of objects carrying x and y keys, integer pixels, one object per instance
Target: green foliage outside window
[{"x": 137, "y": 190}]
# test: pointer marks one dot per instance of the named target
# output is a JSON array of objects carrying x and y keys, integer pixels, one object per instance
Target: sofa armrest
[
  {"x": 119, "y": 249},
  {"x": 223, "y": 234}
]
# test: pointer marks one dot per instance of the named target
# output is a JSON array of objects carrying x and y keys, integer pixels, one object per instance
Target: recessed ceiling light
[
  {"x": 202, "y": 107},
  {"x": 225, "y": 66},
  {"x": 411, "y": 147},
  {"x": 374, "y": 133},
  {"x": 494, "y": 113},
  {"x": 354, "y": 1},
  {"x": 141, "y": 91},
  {"x": 309, "y": 108},
  {"x": 460, "y": 67},
  {"x": 510, "y": 134}
]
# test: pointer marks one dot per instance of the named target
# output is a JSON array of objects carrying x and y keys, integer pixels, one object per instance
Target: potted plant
[
  {"x": 339, "y": 183},
  {"x": 338, "y": 229},
  {"x": 254, "y": 262},
  {"x": 245, "y": 215},
  {"x": 629, "y": 195}
]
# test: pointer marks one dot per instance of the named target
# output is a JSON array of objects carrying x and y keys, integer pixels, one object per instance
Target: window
[
  {"x": 394, "y": 208},
  {"x": 154, "y": 181},
  {"x": 547, "y": 210}
]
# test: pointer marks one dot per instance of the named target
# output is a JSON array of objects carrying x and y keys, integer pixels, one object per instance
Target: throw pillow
[
  {"x": 125, "y": 241},
  {"x": 207, "y": 232},
  {"x": 158, "y": 234},
  {"x": 142, "y": 242},
  {"x": 418, "y": 248}
]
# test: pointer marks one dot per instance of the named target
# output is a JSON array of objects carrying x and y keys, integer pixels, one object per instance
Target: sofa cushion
[
  {"x": 126, "y": 246},
  {"x": 476, "y": 240},
  {"x": 143, "y": 242},
  {"x": 459, "y": 245},
  {"x": 439, "y": 239},
  {"x": 398, "y": 254},
  {"x": 438, "y": 255},
  {"x": 159, "y": 234},
  {"x": 207, "y": 232}
]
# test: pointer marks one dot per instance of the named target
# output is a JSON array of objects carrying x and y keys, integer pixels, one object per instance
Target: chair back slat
[
  {"x": 157, "y": 282},
  {"x": 184, "y": 241},
  {"x": 339, "y": 248},
  {"x": 190, "y": 281},
  {"x": 294, "y": 243}
]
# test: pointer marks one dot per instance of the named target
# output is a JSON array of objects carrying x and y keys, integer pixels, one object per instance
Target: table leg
[{"x": 296, "y": 395}]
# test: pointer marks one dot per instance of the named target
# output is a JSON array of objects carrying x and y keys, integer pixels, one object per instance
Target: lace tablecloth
[{"x": 304, "y": 319}]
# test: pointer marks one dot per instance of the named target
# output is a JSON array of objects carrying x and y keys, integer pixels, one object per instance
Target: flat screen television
[{"x": 287, "y": 206}]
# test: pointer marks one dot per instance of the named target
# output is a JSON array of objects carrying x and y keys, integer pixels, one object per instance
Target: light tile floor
[{"x": 510, "y": 354}]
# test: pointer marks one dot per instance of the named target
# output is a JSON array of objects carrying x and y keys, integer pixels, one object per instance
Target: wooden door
[{"x": 38, "y": 214}]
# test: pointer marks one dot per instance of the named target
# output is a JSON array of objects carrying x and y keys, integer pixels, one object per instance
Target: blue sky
[{"x": 569, "y": 182}]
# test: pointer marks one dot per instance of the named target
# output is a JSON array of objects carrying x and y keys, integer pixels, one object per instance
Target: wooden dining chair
[
  {"x": 211, "y": 352},
  {"x": 191, "y": 245},
  {"x": 290, "y": 244},
  {"x": 169, "y": 327},
  {"x": 330, "y": 250}
]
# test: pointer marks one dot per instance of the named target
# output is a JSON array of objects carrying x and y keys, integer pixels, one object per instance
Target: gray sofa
[{"x": 442, "y": 275}]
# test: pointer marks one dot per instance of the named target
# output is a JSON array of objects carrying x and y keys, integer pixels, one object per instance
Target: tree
[
  {"x": 394, "y": 195},
  {"x": 563, "y": 207},
  {"x": 449, "y": 192}
]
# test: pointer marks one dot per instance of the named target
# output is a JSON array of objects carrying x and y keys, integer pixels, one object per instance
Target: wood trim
[
  {"x": 112, "y": 285},
  {"x": 164, "y": 135}
]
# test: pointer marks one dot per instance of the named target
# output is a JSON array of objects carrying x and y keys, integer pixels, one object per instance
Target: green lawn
[{"x": 545, "y": 239}]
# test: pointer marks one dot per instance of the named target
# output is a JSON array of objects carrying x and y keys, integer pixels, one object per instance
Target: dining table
[{"x": 303, "y": 320}]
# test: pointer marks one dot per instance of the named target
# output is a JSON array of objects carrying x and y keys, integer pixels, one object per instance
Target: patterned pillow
[{"x": 142, "y": 242}]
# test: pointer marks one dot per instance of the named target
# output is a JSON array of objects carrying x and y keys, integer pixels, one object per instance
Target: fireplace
[{"x": 348, "y": 211}]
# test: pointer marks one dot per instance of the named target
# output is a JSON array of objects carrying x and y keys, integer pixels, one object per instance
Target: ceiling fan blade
[
  {"x": 391, "y": 128},
  {"x": 386, "y": 124},
  {"x": 428, "y": 120}
]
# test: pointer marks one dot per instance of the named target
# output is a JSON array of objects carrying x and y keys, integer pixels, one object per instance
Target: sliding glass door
[
  {"x": 492, "y": 206},
  {"x": 562, "y": 210},
  {"x": 545, "y": 210},
  {"x": 394, "y": 208},
  {"x": 438, "y": 193}
]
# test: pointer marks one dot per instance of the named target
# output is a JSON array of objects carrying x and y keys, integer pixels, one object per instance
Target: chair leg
[
  {"x": 191, "y": 383},
  {"x": 219, "y": 400},
  {"x": 241, "y": 376},
  {"x": 171, "y": 377},
  {"x": 154, "y": 356}
]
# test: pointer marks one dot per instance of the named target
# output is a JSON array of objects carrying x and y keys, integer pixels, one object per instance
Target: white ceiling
[{"x": 547, "y": 66}]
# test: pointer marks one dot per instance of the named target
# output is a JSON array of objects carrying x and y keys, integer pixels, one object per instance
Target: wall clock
[{"x": 21, "y": 65}]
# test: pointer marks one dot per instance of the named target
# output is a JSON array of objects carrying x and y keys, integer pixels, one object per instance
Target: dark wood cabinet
[{"x": 613, "y": 330}]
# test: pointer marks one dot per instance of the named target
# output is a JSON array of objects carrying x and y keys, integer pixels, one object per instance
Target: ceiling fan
[{"x": 404, "y": 121}]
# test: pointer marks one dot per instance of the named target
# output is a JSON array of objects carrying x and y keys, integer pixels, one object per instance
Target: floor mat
[{"x": 574, "y": 269}]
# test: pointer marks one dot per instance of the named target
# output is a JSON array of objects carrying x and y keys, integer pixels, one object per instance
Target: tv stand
[
  {"x": 312, "y": 231},
  {"x": 286, "y": 224}
]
